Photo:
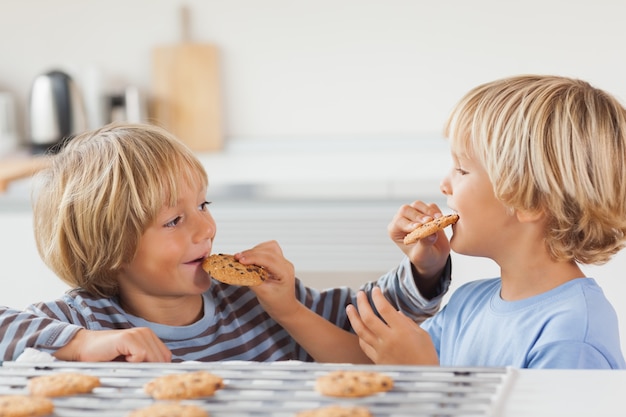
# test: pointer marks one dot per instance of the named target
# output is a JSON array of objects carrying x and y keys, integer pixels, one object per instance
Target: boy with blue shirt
[{"x": 539, "y": 185}]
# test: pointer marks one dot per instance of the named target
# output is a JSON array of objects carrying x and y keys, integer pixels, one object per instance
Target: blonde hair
[
  {"x": 553, "y": 145},
  {"x": 98, "y": 196}
]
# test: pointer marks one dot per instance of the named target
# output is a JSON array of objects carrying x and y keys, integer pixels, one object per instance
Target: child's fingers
[
  {"x": 362, "y": 319},
  {"x": 388, "y": 313},
  {"x": 392, "y": 317},
  {"x": 369, "y": 317},
  {"x": 355, "y": 321},
  {"x": 145, "y": 346},
  {"x": 366, "y": 337}
]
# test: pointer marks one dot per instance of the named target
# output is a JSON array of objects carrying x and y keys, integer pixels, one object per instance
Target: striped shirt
[{"x": 234, "y": 325}]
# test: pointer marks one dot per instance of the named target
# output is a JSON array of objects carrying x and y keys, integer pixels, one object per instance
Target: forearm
[
  {"x": 71, "y": 351},
  {"x": 436, "y": 285},
  {"x": 324, "y": 341}
]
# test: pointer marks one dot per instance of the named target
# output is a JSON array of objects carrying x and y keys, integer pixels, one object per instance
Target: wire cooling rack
[{"x": 273, "y": 389}]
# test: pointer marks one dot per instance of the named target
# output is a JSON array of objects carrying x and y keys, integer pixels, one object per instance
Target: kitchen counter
[{"x": 571, "y": 393}]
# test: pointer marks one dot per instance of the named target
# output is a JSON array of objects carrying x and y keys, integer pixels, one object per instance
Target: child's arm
[
  {"x": 324, "y": 341},
  {"x": 428, "y": 256},
  {"x": 396, "y": 340},
  {"x": 70, "y": 342},
  {"x": 138, "y": 344}
]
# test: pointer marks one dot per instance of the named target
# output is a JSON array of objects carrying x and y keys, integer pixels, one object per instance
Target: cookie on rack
[
  {"x": 336, "y": 411},
  {"x": 62, "y": 384},
  {"x": 225, "y": 268},
  {"x": 184, "y": 386},
  {"x": 169, "y": 409},
  {"x": 353, "y": 383},
  {"x": 25, "y": 406}
]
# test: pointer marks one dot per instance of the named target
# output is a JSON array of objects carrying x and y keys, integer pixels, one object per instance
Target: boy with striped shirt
[{"x": 121, "y": 216}]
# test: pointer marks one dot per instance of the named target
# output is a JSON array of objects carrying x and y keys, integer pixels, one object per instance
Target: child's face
[
  {"x": 169, "y": 255},
  {"x": 482, "y": 227}
]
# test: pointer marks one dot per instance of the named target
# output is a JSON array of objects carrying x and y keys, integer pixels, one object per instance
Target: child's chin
[
  {"x": 203, "y": 283},
  {"x": 457, "y": 246}
]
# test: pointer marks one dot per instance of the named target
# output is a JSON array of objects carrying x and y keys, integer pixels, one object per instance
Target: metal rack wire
[{"x": 273, "y": 389}]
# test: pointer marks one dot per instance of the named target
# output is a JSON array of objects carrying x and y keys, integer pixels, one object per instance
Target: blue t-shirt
[{"x": 572, "y": 326}]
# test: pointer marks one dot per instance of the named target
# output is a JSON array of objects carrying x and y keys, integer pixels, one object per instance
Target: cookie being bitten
[
  {"x": 226, "y": 269},
  {"x": 430, "y": 227}
]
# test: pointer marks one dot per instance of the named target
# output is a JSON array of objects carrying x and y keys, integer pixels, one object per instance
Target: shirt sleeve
[
  {"x": 21, "y": 330},
  {"x": 64, "y": 309},
  {"x": 398, "y": 286}
]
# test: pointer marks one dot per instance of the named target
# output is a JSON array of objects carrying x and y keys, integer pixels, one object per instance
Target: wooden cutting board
[{"x": 186, "y": 94}]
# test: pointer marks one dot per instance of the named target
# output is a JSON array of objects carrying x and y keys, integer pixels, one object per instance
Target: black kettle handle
[{"x": 61, "y": 89}]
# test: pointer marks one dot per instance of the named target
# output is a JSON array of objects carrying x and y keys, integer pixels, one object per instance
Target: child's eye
[
  {"x": 461, "y": 171},
  {"x": 173, "y": 222},
  {"x": 205, "y": 206}
]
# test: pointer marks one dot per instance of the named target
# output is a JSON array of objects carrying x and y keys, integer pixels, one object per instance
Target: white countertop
[{"x": 571, "y": 393}]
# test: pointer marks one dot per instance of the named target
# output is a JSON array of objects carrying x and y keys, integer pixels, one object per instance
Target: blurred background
[
  {"x": 321, "y": 117},
  {"x": 318, "y": 68}
]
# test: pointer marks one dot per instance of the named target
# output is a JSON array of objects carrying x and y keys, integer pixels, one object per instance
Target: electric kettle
[{"x": 56, "y": 111}]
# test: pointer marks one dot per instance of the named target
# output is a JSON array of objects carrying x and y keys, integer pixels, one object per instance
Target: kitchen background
[{"x": 330, "y": 110}]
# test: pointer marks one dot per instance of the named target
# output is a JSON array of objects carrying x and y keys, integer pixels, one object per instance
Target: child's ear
[{"x": 526, "y": 216}]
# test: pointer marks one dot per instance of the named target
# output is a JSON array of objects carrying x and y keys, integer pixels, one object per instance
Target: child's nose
[
  {"x": 444, "y": 186},
  {"x": 206, "y": 227}
]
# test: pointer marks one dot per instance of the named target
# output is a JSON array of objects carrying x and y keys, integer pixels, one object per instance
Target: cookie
[
  {"x": 225, "y": 268},
  {"x": 25, "y": 406},
  {"x": 184, "y": 386},
  {"x": 336, "y": 411},
  {"x": 431, "y": 227},
  {"x": 353, "y": 383},
  {"x": 169, "y": 410},
  {"x": 62, "y": 384}
]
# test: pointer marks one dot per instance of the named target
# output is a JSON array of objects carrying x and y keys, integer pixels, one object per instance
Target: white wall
[{"x": 322, "y": 67}]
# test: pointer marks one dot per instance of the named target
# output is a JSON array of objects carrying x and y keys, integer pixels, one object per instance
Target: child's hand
[
  {"x": 277, "y": 294},
  {"x": 397, "y": 340},
  {"x": 428, "y": 255},
  {"x": 138, "y": 344}
]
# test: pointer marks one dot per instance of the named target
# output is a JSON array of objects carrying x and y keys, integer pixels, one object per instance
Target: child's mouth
[{"x": 196, "y": 261}]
